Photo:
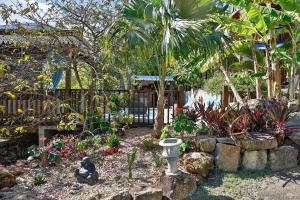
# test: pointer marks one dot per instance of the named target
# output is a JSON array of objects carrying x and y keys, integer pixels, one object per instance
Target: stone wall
[{"x": 256, "y": 151}]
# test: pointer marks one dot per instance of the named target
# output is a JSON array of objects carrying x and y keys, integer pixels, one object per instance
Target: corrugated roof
[
  {"x": 152, "y": 78},
  {"x": 7, "y": 39}
]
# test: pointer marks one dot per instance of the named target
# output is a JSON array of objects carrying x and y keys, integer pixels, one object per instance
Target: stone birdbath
[{"x": 171, "y": 154}]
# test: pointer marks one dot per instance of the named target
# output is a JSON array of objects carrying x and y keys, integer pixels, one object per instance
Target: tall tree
[{"x": 172, "y": 29}]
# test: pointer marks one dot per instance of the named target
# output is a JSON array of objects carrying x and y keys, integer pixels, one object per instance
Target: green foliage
[
  {"x": 113, "y": 140},
  {"x": 39, "y": 180},
  {"x": 165, "y": 132},
  {"x": 130, "y": 161},
  {"x": 183, "y": 123},
  {"x": 243, "y": 82},
  {"x": 58, "y": 144},
  {"x": 148, "y": 144},
  {"x": 185, "y": 146}
]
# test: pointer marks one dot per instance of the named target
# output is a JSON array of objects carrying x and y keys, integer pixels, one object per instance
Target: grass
[{"x": 226, "y": 186}]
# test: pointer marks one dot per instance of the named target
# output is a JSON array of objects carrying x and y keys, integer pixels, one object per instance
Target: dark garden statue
[{"x": 87, "y": 172}]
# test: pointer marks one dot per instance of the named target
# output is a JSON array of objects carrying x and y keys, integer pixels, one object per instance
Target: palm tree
[{"x": 170, "y": 29}]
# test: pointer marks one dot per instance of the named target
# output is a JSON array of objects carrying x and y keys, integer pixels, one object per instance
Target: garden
[{"x": 149, "y": 100}]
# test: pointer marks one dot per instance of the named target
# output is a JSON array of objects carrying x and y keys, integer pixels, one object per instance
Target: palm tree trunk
[
  {"x": 269, "y": 73},
  {"x": 293, "y": 71},
  {"x": 235, "y": 92},
  {"x": 159, "y": 118},
  {"x": 255, "y": 64},
  {"x": 276, "y": 85}
]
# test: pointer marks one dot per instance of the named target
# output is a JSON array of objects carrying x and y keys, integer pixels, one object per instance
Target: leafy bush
[
  {"x": 148, "y": 144},
  {"x": 39, "y": 180},
  {"x": 185, "y": 146},
  {"x": 165, "y": 132},
  {"x": 113, "y": 140},
  {"x": 182, "y": 123}
]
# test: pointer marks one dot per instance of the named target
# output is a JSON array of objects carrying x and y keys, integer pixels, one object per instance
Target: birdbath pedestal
[{"x": 171, "y": 154}]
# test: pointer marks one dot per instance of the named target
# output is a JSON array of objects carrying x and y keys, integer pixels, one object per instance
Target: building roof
[{"x": 152, "y": 78}]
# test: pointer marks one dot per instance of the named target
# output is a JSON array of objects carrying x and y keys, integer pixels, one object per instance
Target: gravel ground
[{"x": 112, "y": 174}]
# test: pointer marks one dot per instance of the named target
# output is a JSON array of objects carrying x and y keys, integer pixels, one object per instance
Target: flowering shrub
[{"x": 108, "y": 152}]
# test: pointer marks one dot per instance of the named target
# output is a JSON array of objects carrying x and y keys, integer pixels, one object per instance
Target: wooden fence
[
  {"x": 141, "y": 105},
  {"x": 227, "y": 96}
]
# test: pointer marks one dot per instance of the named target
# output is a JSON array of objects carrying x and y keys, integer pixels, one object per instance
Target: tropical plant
[
  {"x": 148, "y": 144},
  {"x": 39, "y": 179},
  {"x": 172, "y": 29},
  {"x": 113, "y": 140},
  {"x": 130, "y": 161}
]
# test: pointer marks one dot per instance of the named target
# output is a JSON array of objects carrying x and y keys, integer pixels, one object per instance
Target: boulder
[
  {"x": 295, "y": 137},
  {"x": 205, "y": 144},
  {"x": 293, "y": 106},
  {"x": 227, "y": 140},
  {"x": 198, "y": 163},
  {"x": 255, "y": 160},
  {"x": 6, "y": 178},
  {"x": 123, "y": 195},
  {"x": 258, "y": 141},
  {"x": 178, "y": 187},
  {"x": 227, "y": 157},
  {"x": 148, "y": 194},
  {"x": 285, "y": 157}
]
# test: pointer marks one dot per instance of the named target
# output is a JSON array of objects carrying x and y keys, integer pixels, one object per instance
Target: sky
[{"x": 17, "y": 17}]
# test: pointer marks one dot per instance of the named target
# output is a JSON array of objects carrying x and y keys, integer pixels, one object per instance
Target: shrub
[
  {"x": 39, "y": 180},
  {"x": 165, "y": 133},
  {"x": 108, "y": 152},
  {"x": 148, "y": 144},
  {"x": 182, "y": 123},
  {"x": 185, "y": 146},
  {"x": 113, "y": 140}
]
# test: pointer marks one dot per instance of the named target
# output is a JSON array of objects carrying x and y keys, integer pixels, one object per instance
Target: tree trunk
[
  {"x": 235, "y": 92},
  {"x": 276, "y": 81},
  {"x": 159, "y": 118},
  {"x": 293, "y": 71},
  {"x": 255, "y": 64},
  {"x": 269, "y": 73}
]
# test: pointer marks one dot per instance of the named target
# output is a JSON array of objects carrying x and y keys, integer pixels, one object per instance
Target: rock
[
  {"x": 295, "y": 137},
  {"x": 198, "y": 163},
  {"x": 258, "y": 141},
  {"x": 205, "y": 144},
  {"x": 227, "y": 140},
  {"x": 30, "y": 158},
  {"x": 285, "y": 157},
  {"x": 148, "y": 194},
  {"x": 253, "y": 103},
  {"x": 293, "y": 106},
  {"x": 227, "y": 157},
  {"x": 16, "y": 170},
  {"x": 87, "y": 172},
  {"x": 178, "y": 187},
  {"x": 6, "y": 178},
  {"x": 255, "y": 160},
  {"x": 124, "y": 195}
]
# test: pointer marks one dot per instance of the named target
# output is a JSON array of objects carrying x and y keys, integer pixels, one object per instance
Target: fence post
[
  {"x": 224, "y": 96},
  {"x": 180, "y": 96}
]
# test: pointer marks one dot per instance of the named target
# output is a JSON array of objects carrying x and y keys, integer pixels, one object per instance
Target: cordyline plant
[
  {"x": 233, "y": 121},
  {"x": 278, "y": 115}
]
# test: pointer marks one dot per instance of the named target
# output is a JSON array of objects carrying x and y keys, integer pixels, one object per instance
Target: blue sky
[{"x": 12, "y": 2}]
